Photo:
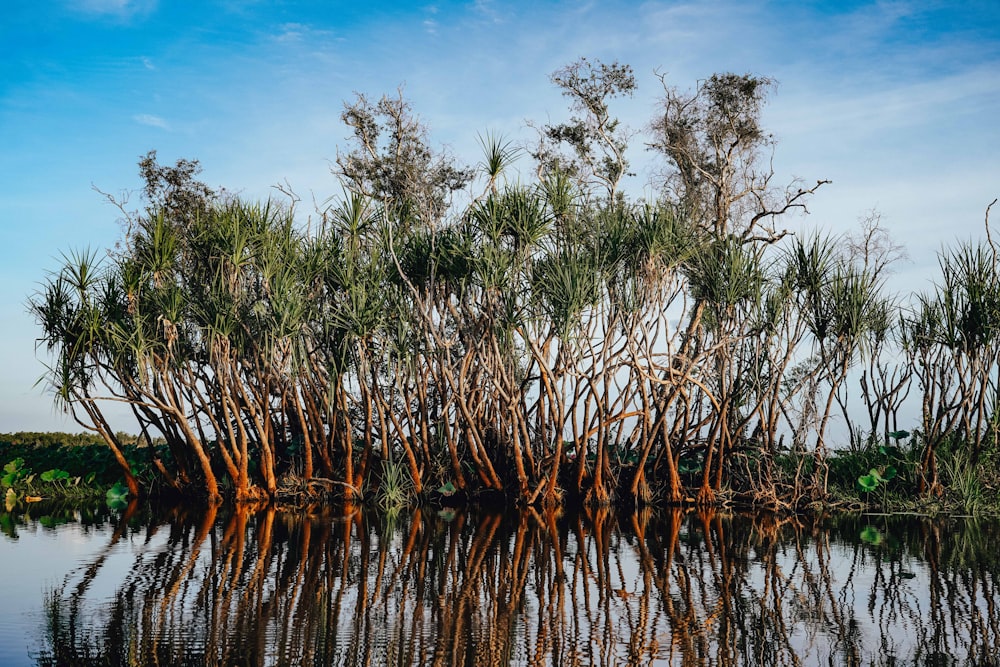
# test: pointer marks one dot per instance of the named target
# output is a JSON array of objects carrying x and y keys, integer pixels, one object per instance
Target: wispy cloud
[
  {"x": 122, "y": 9},
  {"x": 151, "y": 120},
  {"x": 291, "y": 34}
]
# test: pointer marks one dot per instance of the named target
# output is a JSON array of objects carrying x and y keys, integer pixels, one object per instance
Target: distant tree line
[{"x": 534, "y": 338}]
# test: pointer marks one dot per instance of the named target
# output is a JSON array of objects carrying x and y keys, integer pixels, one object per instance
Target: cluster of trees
[{"x": 531, "y": 338}]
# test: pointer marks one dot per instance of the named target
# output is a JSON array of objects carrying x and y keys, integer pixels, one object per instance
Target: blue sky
[{"x": 895, "y": 102}]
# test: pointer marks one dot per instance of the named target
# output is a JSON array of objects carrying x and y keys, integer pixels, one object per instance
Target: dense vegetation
[{"x": 436, "y": 327}]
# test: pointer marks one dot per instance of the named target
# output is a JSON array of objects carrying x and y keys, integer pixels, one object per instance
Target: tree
[
  {"x": 717, "y": 167},
  {"x": 391, "y": 161},
  {"x": 596, "y": 139}
]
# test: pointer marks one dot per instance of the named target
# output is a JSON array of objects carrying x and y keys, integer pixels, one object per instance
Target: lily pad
[
  {"x": 867, "y": 483},
  {"x": 54, "y": 475},
  {"x": 117, "y": 496}
]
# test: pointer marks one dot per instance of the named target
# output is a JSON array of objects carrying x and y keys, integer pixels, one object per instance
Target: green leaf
[
  {"x": 870, "y": 535},
  {"x": 54, "y": 475},
  {"x": 896, "y": 435},
  {"x": 448, "y": 514},
  {"x": 117, "y": 492},
  {"x": 889, "y": 473},
  {"x": 7, "y": 526},
  {"x": 49, "y": 521},
  {"x": 448, "y": 489},
  {"x": 876, "y": 474},
  {"x": 116, "y": 502},
  {"x": 867, "y": 483},
  {"x": 14, "y": 466}
]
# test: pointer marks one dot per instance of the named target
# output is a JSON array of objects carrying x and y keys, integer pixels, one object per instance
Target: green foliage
[
  {"x": 117, "y": 496},
  {"x": 871, "y": 535},
  {"x": 14, "y": 472},
  {"x": 395, "y": 488},
  {"x": 876, "y": 478},
  {"x": 54, "y": 476},
  {"x": 964, "y": 481}
]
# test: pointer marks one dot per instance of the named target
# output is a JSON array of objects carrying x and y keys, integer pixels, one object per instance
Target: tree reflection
[{"x": 254, "y": 586}]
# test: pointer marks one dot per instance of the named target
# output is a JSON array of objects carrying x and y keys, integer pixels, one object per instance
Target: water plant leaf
[
  {"x": 49, "y": 521},
  {"x": 117, "y": 497},
  {"x": 117, "y": 503},
  {"x": 117, "y": 492},
  {"x": 867, "y": 483},
  {"x": 871, "y": 535},
  {"x": 14, "y": 466},
  {"x": 447, "y": 514},
  {"x": 689, "y": 465},
  {"x": 889, "y": 473},
  {"x": 10, "y": 499},
  {"x": 54, "y": 475},
  {"x": 7, "y": 526},
  {"x": 448, "y": 489}
]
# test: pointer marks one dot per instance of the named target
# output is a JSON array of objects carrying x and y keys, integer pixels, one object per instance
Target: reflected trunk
[{"x": 253, "y": 586}]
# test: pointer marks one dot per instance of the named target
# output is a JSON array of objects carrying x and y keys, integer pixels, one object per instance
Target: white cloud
[
  {"x": 292, "y": 32},
  {"x": 151, "y": 120}
]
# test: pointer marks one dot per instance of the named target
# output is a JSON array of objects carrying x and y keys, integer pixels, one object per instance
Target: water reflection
[{"x": 251, "y": 586}]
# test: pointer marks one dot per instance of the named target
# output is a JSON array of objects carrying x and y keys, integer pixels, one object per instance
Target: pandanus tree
[
  {"x": 844, "y": 313},
  {"x": 952, "y": 343},
  {"x": 72, "y": 309}
]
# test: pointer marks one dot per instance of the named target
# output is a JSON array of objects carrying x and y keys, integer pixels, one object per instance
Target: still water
[{"x": 437, "y": 587}]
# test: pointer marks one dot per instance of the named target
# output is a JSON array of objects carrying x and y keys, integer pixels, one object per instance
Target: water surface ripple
[{"x": 244, "y": 586}]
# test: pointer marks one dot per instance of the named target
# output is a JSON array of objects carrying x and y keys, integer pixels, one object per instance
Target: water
[{"x": 260, "y": 587}]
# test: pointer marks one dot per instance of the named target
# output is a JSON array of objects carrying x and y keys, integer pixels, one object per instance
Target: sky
[{"x": 896, "y": 103}]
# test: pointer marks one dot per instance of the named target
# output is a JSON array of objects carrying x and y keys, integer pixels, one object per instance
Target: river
[{"x": 436, "y": 586}]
